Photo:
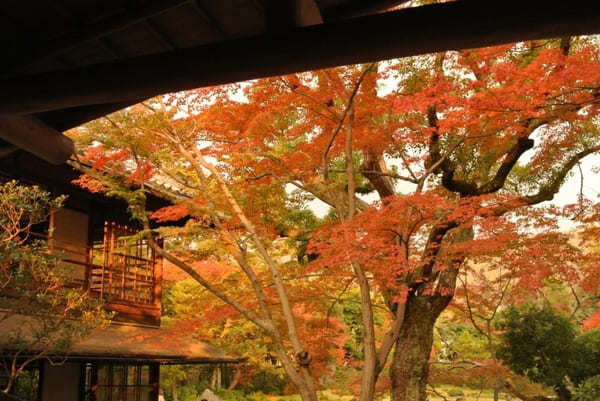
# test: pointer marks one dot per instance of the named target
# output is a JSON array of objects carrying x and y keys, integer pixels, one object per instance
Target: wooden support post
[
  {"x": 157, "y": 280},
  {"x": 104, "y": 258},
  {"x": 51, "y": 226},
  {"x": 88, "y": 267},
  {"x": 34, "y": 136}
]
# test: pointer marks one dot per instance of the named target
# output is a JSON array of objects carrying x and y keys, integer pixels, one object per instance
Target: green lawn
[{"x": 451, "y": 393}]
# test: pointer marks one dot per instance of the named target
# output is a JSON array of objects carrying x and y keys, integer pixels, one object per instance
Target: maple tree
[
  {"x": 220, "y": 240},
  {"x": 446, "y": 167}
]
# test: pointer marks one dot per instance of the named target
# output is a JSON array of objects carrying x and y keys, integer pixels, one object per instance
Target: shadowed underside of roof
[
  {"x": 127, "y": 342},
  {"x": 67, "y": 62}
]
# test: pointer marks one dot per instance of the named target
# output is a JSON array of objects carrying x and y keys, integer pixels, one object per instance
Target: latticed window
[
  {"x": 123, "y": 266},
  {"x": 120, "y": 382}
]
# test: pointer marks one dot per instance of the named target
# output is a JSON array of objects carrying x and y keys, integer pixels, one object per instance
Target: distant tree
[
  {"x": 187, "y": 307},
  {"x": 587, "y": 356},
  {"x": 547, "y": 348},
  {"x": 40, "y": 315},
  {"x": 468, "y": 333}
]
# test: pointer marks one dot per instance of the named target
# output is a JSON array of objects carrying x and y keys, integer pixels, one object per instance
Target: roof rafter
[
  {"x": 210, "y": 18},
  {"x": 161, "y": 37},
  {"x": 91, "y": 32}
]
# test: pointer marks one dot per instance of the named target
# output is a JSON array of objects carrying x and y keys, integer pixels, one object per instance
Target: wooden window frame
[{"x": 89, "y": 384}]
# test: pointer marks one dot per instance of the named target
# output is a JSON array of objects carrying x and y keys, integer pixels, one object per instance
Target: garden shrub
[
  {"x": 589, "y": 390},
  {"x": 456, "y": 392}
]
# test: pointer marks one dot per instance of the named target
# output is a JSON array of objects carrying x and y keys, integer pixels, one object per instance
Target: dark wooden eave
[
  {"x": 28, "y": 169},
  {"x": 455, "y": 25},
  {"x": 264, "y": 40}
]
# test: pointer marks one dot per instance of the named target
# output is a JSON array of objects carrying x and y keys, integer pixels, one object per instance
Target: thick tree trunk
[
  {"x": 410, "y": 366},
  {"x": 368, "y": 380}
]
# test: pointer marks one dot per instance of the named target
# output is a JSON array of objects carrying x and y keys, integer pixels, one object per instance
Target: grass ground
[
  {"x": 452, "y": 393},
  {"x": 446, "y": 393}
]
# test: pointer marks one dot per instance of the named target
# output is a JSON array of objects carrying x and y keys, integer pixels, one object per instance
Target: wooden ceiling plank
[
  {"x": 94, "y": 31},
  {"x": 160, "y": 35},
  {"x": 280, "y": 15},
  {"x": 210, "y": 18},
  {"x": 259, "y": 6},
  {"x": 59, "y": 7},
  {"x": 406, "y": 32},
  {"x": 284, "y": 15},
  {"x": 65, "y": 61},
  {"x": 109, "y": 48}
]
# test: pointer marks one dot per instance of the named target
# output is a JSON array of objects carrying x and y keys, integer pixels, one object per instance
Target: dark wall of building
[{"x": 61, "y": 382}]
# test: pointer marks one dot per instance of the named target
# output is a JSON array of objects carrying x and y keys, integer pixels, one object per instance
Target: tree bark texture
[{"x": 410, "y": 365}]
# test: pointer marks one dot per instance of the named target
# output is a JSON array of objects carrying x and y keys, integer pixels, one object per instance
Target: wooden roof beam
[
  {"x": 307, "y": 13},
  {"x": 32, "y": 135},
  {"x": 406, "y": 32},
  {"x": 7, "y": 150},
  {"x": 161, "y": 36}
]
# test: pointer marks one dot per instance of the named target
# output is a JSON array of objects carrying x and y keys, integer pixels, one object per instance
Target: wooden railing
[{"x": 113, "y": 276}]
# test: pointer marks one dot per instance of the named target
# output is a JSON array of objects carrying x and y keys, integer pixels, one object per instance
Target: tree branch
[
  {"x": 511, "y": 158},
  {"x": 373, "y": 170},
  {"x": 337, "y": 129},
  {"x": 248, "y": 314},
  {"x": 546, "y": 192}
]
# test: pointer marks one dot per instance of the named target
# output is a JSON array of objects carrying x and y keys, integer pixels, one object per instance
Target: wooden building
[{"x": 120, "y": 362}]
